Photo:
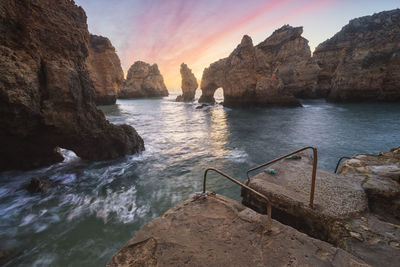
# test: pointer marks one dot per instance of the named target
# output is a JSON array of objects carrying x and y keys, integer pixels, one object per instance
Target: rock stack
[
  {"x": 189, "y": 84},
  {"x": 143, "y": 80}
]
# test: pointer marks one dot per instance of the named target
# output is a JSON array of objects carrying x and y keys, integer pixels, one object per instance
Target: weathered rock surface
[
  {"x": 46, "y": 95},
  {"x": 341, "y": 213},
  {"x": 105, "y": 70},
  {"x": 143, "y": 80},
  {"x": 217, "y": 231},
  {"x": 362, "y": 61},
  {"x": 246, "y": 78},
  {"x": 289, "y": 56},
  {"x": 380, "y": 176},
  {"x": 189, "y": 84}
]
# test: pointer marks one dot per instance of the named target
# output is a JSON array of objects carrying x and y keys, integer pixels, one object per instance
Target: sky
[{"x": 199, "y": 32}]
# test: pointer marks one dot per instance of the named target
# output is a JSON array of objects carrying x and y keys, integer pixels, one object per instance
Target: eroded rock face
[
  {"x": 246, "y": 78},
  {"x": 189, "y": 84},
  {"x": 46, "y": 95},
  {"x": 105, "y": 70},
  {"x": 217, "y": 231},
  {"x": 143, "y": 80},
  {"x": 289, "y": 56},
  {"x": 362, "y": 61}
]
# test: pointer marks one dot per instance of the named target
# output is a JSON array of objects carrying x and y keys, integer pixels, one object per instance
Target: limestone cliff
[
  {"x": 143, "y": 80},
  {"x": 189, "y": 84},
  {"x": 46, "y": 95},
  {"x": 247, "y": 79},
  {"x": 289, "y": 56},
  {"x": 362, "y": 61},
  {"x": 105, "y": 70}
]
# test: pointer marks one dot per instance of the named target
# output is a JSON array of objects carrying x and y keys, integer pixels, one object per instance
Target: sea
[{"x": 96, "y": 207}]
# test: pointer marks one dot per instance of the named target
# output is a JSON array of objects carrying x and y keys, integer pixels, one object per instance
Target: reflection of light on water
[{"x": 218, "y": 131}]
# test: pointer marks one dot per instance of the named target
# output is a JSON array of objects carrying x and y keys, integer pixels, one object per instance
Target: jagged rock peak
[
  {"x": 246, "y": 78},
  {"x": 105, "y": 70},
  {"x": 143, "y": 80},
  {"x": 189, "y": 84}
]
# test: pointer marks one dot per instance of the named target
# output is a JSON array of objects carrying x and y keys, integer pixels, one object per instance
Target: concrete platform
[
  {"x": 341, "y": 215},
  {"x": 218, "y": 231}
]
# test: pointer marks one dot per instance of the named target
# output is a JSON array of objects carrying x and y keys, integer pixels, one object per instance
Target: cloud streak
[{"x": 169, "y": 32}]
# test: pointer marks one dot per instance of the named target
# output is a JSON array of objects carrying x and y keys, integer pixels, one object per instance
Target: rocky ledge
[
  {"x": 362, "y": 61},
  {"x": 189, "y": 84},
  {"x": 105, "y": 70},
  {"x": 247, "y": 79},
  {"x": 217, "y": 231},
  {"x": 46, "y": 94},
  {"x": 143, "y": 80},
  {"x": 356, "y": 210}
]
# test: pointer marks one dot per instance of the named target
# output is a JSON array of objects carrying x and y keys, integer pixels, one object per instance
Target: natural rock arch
[{"x": 246, "y": 79}]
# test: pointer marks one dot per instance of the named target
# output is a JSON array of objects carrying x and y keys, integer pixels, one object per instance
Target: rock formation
[
  {"x": 46, "y": 95},
  {"x": 189, "y": 84},
  {"x": 217, "y": 231},
  {"x": 105, "y": 70},
  {"x": 289, "y": 56},
  {"x": 362, "y": 61},
  {"x": 246, "y": 78},
  {"x": 143, "y": 80}
]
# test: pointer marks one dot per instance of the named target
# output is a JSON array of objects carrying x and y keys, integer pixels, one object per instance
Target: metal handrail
[
  {"x": 314, "y": 171},
  {"x": 338, "y": 163},
  {"x": 269, "y": 208}
]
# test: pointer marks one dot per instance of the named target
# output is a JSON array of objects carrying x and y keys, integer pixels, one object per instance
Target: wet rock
[
  {"x": 189, "y": 84},
  {"x": 218, "y": 231},
  {"x": 40, "y": 185},
  {"x": 342, "y": 213},
  {"x": 246, "y": 78},
  {"x": 46, "y": 94},
  {"x": 105, "y": 70},
  {"x": 362, "y": 61},
  {"x": 202, "y": 106},
  {"x": 143, "y": 80}
]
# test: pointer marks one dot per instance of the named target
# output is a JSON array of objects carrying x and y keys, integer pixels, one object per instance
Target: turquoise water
[{"x": 97, "y": 207}]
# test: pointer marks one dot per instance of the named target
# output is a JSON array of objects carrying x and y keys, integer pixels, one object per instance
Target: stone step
[{"x": 217, "y": 231}]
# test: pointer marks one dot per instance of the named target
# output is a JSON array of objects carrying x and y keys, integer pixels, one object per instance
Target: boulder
[
  {"x": 143, "y": 80},
  {"x": 40, "y": 185},
  {"x": 105, "y": 70},
  {"x": 362, "y": 61},
  {"x": 246, "y": 78},
  {"x": 46, "y": 94},
  {"x": 217, "y": 231},
  {"x": 189, "y": 84}
]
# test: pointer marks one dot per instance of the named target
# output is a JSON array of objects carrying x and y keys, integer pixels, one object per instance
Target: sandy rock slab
[
  {"x": 218, "y": 231},
  {"x": 343, "y": 213}
]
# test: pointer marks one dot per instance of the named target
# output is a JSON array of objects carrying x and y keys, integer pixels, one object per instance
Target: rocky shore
[
  {"x": 105, "y": 70},
  {"x": 143, "y": 80},
  {"x": 47, "y": 98},
  {"x": 354, "y": 221}
]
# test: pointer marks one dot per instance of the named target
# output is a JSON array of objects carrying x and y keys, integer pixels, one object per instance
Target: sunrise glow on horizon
[{"x": 169, "y": 32}]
